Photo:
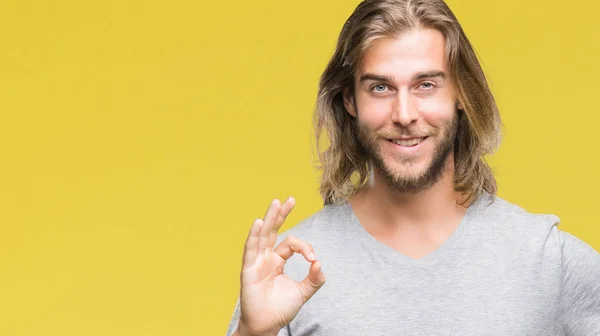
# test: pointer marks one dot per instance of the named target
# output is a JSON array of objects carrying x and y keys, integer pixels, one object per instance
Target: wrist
[{"x": 243, "y": 331}]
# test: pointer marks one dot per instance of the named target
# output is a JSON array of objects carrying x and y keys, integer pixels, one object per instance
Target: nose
[{"x": 404, "y": 109}]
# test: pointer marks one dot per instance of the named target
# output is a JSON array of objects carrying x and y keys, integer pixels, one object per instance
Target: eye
[
  {"x": 427, "y": 85},
  {"x": 379, "y": 88}
]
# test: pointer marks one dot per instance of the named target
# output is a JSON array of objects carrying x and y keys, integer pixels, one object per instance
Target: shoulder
[
  {"x": 503, "y": 211},
  {"x": 577, "y": 254},
  {"x": 321, "y": 225},
  {"x": 504, "y": 218},
  {"x": 513, "y": 223},
  {"x": 580, "y": 287}
]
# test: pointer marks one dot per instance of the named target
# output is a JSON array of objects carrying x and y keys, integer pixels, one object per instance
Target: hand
[{"x": 269, "y": 299}]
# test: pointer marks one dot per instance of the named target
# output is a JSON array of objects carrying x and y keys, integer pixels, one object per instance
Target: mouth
[{"x": 412, "y": 142}]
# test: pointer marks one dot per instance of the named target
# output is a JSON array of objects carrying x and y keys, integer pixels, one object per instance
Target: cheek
[
  {"x": 373, "y": 113},
  {"x": 437, "y": 112}
]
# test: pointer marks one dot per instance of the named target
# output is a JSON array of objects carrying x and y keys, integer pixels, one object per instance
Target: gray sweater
[{"x": 504, "y": 271}]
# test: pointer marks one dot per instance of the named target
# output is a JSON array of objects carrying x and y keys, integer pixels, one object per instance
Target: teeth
[{"x": 408, "y": 143}]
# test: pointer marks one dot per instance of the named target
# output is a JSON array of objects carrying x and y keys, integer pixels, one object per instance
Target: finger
[
  {"x": 251, "y": 247},
  {"x": 291, "y": 245},
  {"x": 269, "y": 221},
  {"x": 313, "y": 281},
  {"x": 286, "y": 208}
]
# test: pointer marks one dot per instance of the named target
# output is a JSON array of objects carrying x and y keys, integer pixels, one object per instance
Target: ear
[
  {"x": 459, "y": 106},
  {"x": 349, "y": 102}
]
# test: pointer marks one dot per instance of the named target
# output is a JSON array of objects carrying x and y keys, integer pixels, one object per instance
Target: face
[{"x": 405, "y": 109}]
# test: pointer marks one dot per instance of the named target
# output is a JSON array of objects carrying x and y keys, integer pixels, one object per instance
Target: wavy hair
[{"x": 344, "y": 164}]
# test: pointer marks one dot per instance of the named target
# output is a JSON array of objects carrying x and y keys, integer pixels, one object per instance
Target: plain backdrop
[{"x": 140, "y": 139}]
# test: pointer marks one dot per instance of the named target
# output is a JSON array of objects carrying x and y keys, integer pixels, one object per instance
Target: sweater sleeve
[{"x": 579, "y": 299}]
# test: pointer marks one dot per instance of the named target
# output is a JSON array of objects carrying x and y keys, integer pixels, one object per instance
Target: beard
[{"x": 409, "y": 183}]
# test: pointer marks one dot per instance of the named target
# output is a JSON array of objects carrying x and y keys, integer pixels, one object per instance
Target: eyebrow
[{"x": 418, "y": 76}]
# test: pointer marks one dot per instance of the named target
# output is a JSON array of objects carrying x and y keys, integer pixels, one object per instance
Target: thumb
[{"x": 313, "y": 281}]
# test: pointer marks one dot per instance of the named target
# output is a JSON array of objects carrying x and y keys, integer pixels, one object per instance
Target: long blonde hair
[{"x": 344, "y": 164}]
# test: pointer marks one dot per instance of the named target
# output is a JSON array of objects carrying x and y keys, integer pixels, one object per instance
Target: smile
[{"x": 408, "y": 142}]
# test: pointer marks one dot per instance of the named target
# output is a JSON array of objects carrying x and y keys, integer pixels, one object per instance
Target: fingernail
[{"x": 311, "y": 255}]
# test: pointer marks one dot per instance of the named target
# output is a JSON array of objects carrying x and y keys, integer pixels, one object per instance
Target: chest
[{"x": 467, "y": 299}]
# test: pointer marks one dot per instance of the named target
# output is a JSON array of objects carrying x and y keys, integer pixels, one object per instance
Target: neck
[{"x": 393, "y": 210}]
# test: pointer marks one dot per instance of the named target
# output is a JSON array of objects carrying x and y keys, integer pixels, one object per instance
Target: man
[{"x": 412, "y": 239}]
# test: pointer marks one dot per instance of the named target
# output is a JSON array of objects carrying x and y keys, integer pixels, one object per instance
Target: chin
[
  {"x": 408, "y": 169},
  {"x": 408, "y": 176},
  {"x": 406, "y": 173}
]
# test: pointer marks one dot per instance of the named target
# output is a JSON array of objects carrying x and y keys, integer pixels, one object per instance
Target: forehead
[{"x": 403, "y": 56}]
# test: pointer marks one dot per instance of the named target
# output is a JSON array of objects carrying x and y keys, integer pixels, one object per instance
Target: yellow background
[{"x": 139, "y": 140}]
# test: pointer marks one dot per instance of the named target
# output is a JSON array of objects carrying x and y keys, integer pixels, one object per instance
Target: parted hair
[{"x": 344, "y": 165}]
